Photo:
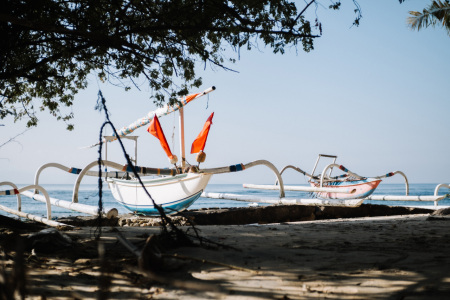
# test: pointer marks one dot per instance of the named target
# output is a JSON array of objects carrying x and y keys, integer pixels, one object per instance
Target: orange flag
[
  {"x": 189, "y": 98},
  {"x": 199, "y": 143},
  {"x": 156, "y": 130}
]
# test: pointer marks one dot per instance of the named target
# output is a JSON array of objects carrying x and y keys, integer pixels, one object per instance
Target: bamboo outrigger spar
[{"x": 163, "y": 111}]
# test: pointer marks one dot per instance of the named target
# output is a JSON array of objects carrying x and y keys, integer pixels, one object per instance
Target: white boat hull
[
  {"x": 360, "y": 188},
  {"x": 172, "y": 193}
]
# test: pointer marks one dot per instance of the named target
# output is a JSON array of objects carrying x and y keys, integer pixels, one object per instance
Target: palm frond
[{"x": 437, "y": 13}]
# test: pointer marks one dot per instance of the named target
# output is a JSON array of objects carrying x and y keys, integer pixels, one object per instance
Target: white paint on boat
[
  {"x": 84, "y": 208},
  {"x": 300, "y": 188},
  {"x": 287, "y": 201}
]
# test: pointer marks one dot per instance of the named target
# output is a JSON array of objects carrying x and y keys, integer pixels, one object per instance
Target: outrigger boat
[
  {"x": 174, "y": 189},
  {"x": 345, "y": 187},
  {"x": 324, "y": 186},
  {"x": 348, "y": 189}
]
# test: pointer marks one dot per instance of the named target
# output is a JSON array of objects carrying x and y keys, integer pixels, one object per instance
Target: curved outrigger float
[{"x": 348, "y": 189}]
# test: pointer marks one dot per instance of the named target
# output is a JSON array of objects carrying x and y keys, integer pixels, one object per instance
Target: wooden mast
[{"x": 182, "y": 150}]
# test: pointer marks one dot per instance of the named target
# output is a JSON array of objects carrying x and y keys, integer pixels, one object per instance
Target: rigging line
[{"x": 12, "y": 139}]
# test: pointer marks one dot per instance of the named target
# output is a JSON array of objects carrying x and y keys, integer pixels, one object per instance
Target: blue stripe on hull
[
  {"x": 365, "y": 195},
  {"x": 169, "y": 208},
  {"x": 349, "y": 183}
]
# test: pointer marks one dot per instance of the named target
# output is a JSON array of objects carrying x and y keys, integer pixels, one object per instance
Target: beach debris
[
  {"x": 440, "y": 214},
  {"x": 17, "y": 225},
  {"x": 144, "y": 221},
  {"x": 151, "y": 257},
  {"x": 48, "y": 240}
]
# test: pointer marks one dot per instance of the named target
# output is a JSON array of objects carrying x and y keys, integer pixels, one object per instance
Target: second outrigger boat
[{"x": 324, "y": 186}]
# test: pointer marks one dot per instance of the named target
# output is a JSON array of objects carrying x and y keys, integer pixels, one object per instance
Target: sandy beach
[{"x": 385, "y": 257}]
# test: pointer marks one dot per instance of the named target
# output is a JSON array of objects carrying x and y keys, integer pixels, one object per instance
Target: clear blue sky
[{"x": 375, "y": 95}]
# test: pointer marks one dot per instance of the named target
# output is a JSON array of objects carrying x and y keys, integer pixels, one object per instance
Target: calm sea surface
[{"x": 89, "y": 195}]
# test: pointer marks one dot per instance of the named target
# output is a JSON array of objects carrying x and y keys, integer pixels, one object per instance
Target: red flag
[
  {"x": 156, "y": 130},
  {"x": 199, "y": 143}
]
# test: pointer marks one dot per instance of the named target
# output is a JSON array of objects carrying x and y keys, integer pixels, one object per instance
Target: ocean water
[{"x": 88, "y": 194}]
